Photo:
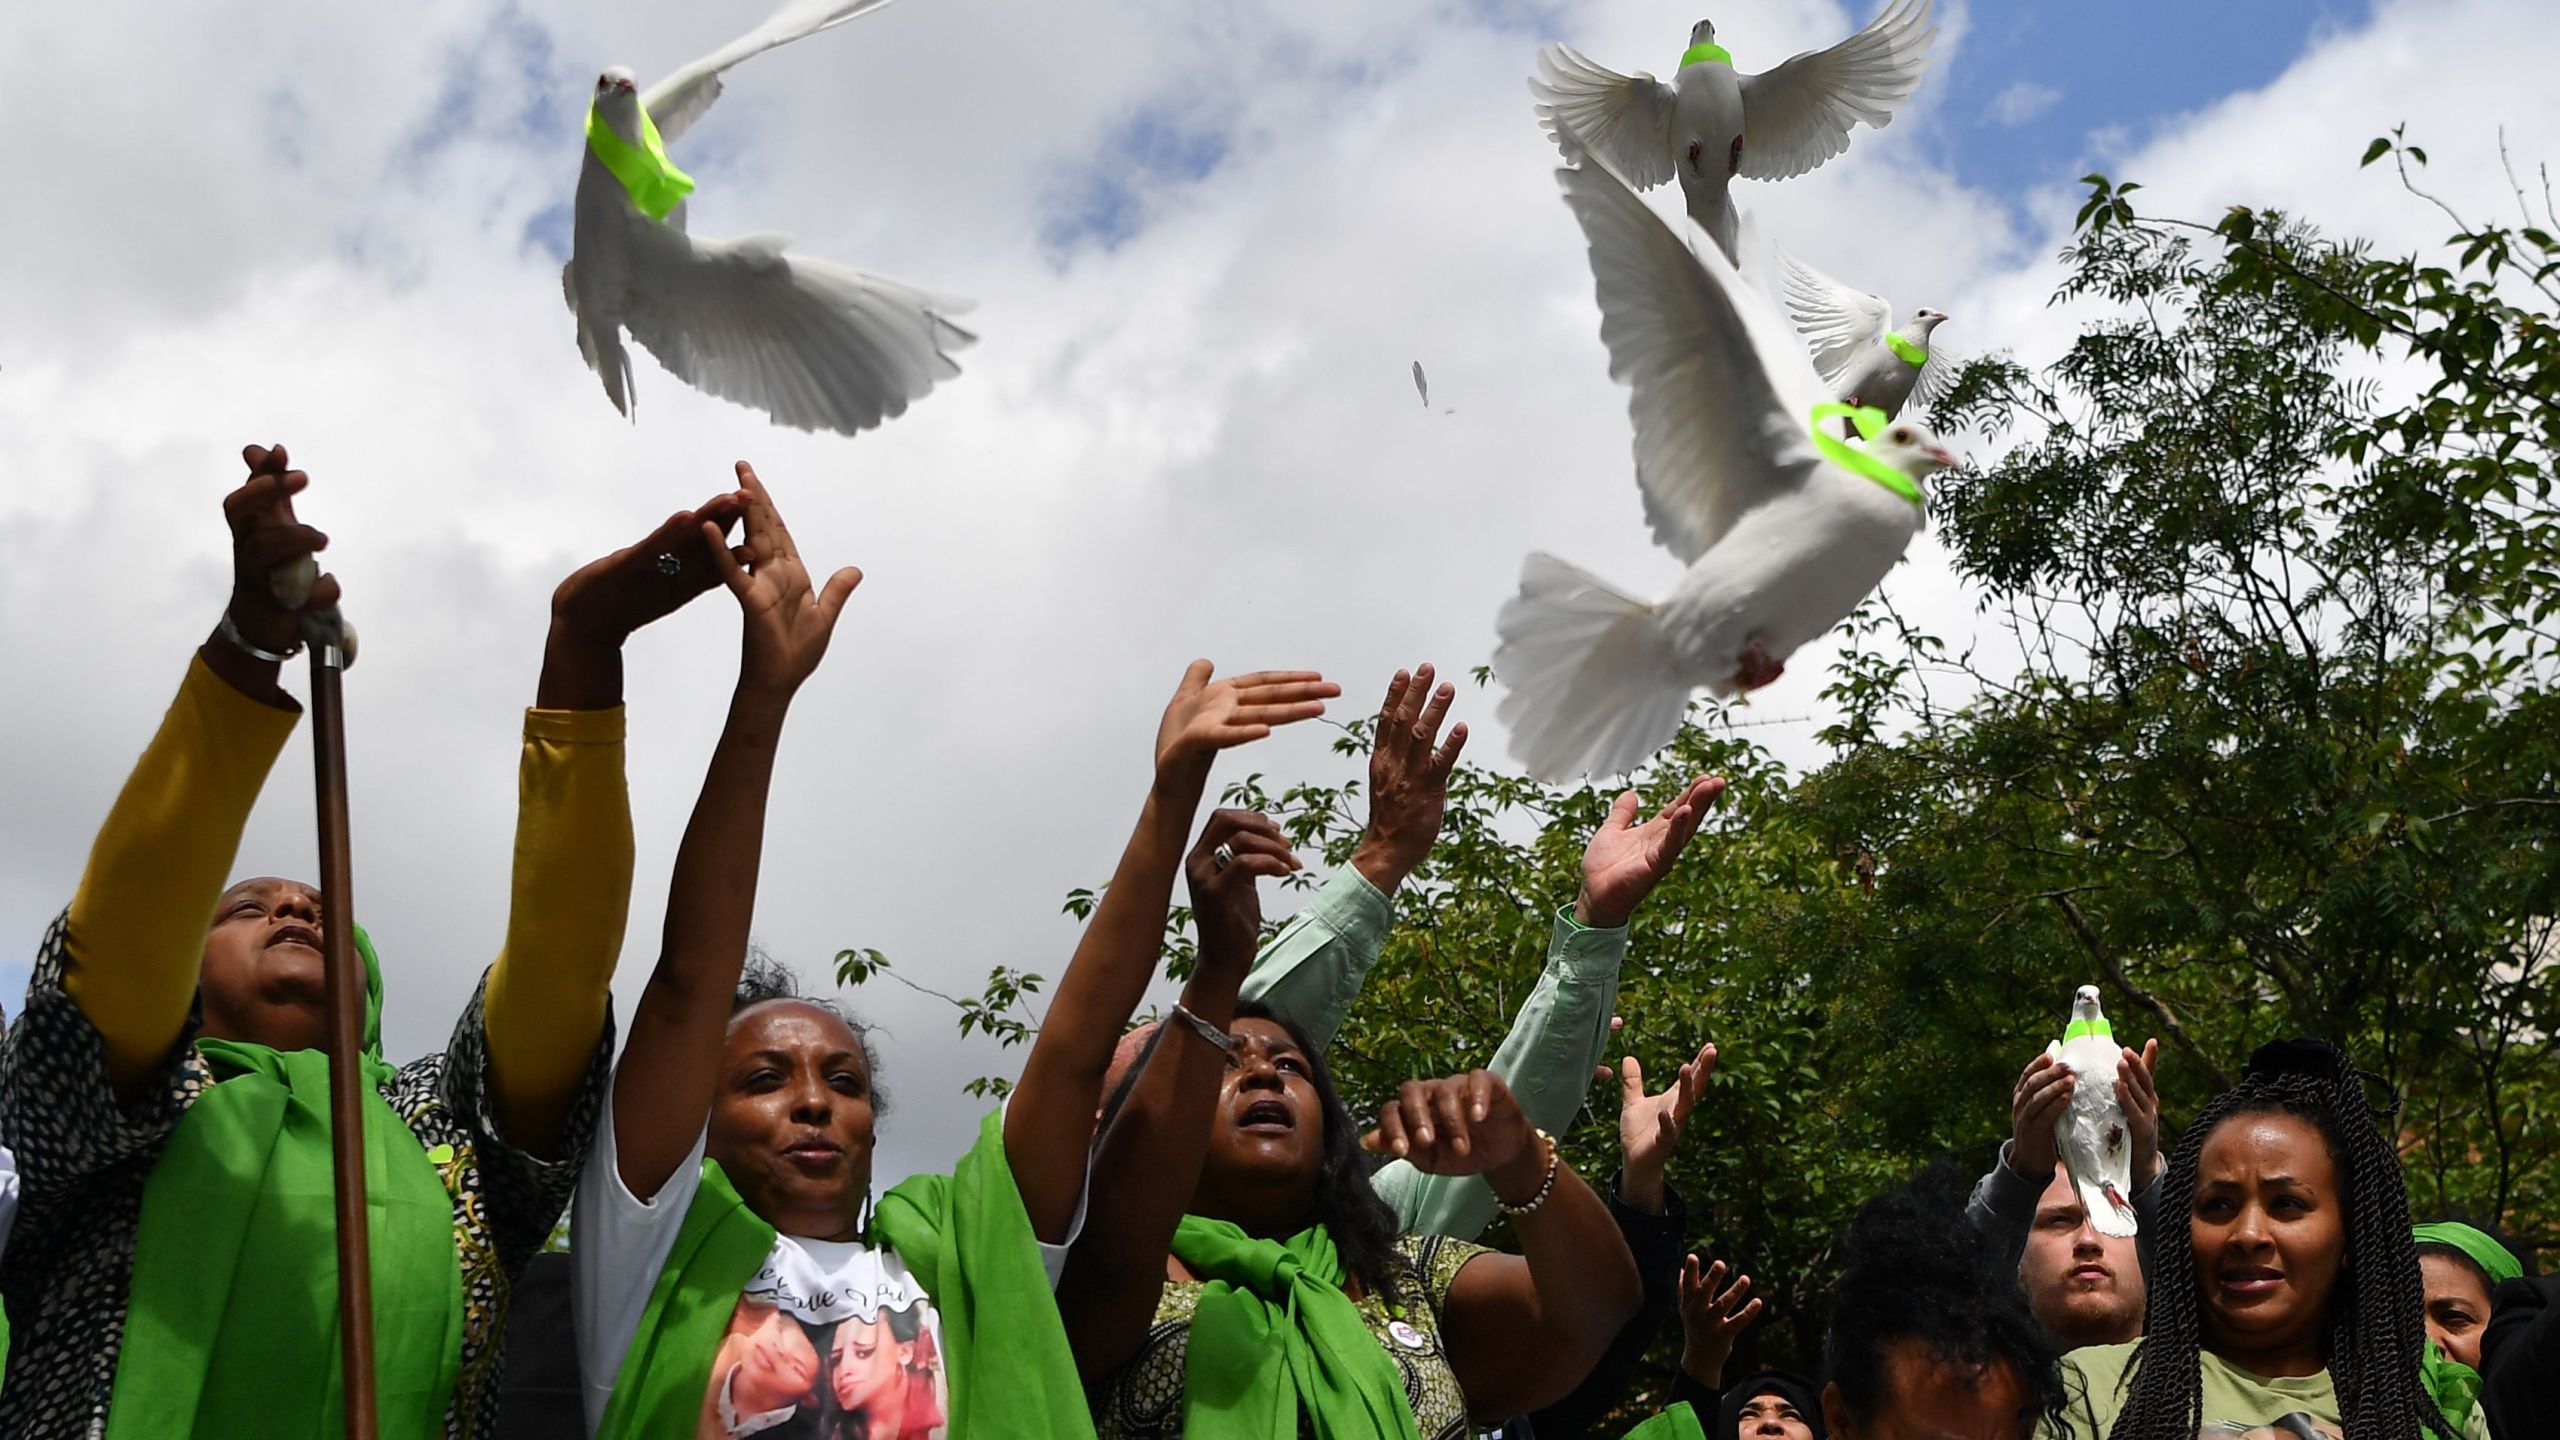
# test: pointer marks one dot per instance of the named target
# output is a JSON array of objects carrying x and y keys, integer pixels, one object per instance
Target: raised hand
[
  {"x": 1649, "y": 1126},
  {"x": 2138, "y": 1091},
  {"x": 1408, "y": 778},
  {"x": 266, "y": 538},
  {"x": 1465, "y": 1124},
  {"x": 1207, "y": 716},
  {"x": 1626, "y": 860},
  {"x": 2044, "y": 1089},
  {"x": 1712, "y": 1317},
  {"x": 1236, "y": 848},
  {"x": 787, "y": 622},
  {"x": 605, "y": 600}
]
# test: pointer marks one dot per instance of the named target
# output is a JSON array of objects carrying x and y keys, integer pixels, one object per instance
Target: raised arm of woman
[
  {"x": 1048, "y": 1128},
  {"x": 1522, "y": 1330},
  {"x": 663, "y": 1086},
  {"x": 135, "y": 939},
  {"x": 1150, "y": 1156},
  {"x": 551, "y": 989}
]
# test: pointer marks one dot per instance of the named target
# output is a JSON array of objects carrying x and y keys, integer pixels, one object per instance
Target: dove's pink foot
[{"x": 1755, "y": 669}]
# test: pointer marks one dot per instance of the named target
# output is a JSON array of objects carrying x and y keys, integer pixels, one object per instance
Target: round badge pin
[{"x": 1406, "y": 1336}]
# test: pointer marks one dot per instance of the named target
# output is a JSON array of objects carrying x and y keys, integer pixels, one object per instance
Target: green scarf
[
  {"x": 2495, "y": 1260},
  {"x": 965, "y": 1238},
  {"x": 232, "y": 1329},
  {"x": 1276, "y": 1341},
  {"x": 652, "y": 180},
  {"x": 1677, "y": 1422},
  {"x": 1839, "y": 452},
  {"x": 2452, "y": 1385}
]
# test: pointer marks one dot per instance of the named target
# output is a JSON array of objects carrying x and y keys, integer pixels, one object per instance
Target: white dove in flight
[
  {"x": 2091, "y": 1135},
  {"x": 1710, "y": 123},
  {"x": 1784, "y": 525},
  {"x": 1863, "y": 358},
  {"x": 815, "y": 345}
]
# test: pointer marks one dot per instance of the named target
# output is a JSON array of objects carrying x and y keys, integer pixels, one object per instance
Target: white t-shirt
[
  {"x": 8, "y": 1194},
  {"x": 826, "y": 1330}
]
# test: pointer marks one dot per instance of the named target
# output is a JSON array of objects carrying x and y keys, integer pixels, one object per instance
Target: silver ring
[
  {"x": 669, "y": 565},
  {"x": 1221, "y": 858}
]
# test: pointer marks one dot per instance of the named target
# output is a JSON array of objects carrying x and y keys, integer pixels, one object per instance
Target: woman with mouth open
[
  {"x": 1240, "y": 1278},
  {"x": 2293, "y": 1308},
  {"x": 733, "y": 1173}
]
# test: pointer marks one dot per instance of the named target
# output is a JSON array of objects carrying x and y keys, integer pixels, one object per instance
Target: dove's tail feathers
[
  {"x": 601, "y": 343},
  {"x": 2109, "y": 1211},
  {"x": 1594, "y": 684},
  {"x": 815, "y": 345}
]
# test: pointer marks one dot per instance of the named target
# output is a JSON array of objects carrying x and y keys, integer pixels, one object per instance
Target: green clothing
[
  {"x": 1278, "y": 1350},
  {"x": 233, "y": 1325},
  {"x": 2236, "y": 1402},
  {"x": 1313, "y": 969},
  {"x": 1675, "y": 1422}
]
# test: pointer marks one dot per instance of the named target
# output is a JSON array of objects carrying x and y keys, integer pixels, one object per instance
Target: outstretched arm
[
  {"x": 570, "y": 896},
  {"x": 1048, "y": 1128},
  {"x": 1313, "y": 969},
  {"x": 1148, "y": 1164},
  {"x": 1522, "y": 1329},
  {"x": 663, "y": 1086},
  {"x": 135, "y": 940}
]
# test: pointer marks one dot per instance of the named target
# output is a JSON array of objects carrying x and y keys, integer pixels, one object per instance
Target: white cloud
[
  {"x": 311, "y": 223},
  {"x": 2023, "y": 102}
]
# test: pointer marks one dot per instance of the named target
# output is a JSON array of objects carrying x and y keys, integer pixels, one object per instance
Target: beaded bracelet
[{"x": 1546, "y": 1188}]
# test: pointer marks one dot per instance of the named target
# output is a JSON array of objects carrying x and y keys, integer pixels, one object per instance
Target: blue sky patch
[{"x": 1105, "y": 202}]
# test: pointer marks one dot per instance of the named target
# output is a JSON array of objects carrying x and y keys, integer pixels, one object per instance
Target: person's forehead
[
  {"x": 2444, "y": 1275},
  {"x": 791, "y": 1024},
  {"x": 265, "y": 886},
  {"x": 1935, "y": 1398},
  {"x": 2267, "y": 1147},
  {"x": 1266, "y": 1036},
  {"x": 2059, "y": 1194}
]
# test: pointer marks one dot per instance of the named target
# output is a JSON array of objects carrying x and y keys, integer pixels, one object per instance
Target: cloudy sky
[{"x": 1207, "y": 240}]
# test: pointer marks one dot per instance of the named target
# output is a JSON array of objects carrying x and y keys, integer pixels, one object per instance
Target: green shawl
[
  {"x": 1677, "y": 1422},
  {"x": 2452, "y": 1385},
  {"x": 1276, "y": 1340},
  {"x": 232, "y": 1328},
  {"x": 966, "y": 1239}
]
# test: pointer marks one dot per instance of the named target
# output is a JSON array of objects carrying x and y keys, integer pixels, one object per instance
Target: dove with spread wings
[
  {"x": 1784, "y": 525},
  {"x": 1710, "y": 122},
  {"x": 813, "y": 344},
  {"x": 1863, "y": 357}
]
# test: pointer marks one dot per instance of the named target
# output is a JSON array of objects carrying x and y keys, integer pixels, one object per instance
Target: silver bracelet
[
  {"x": 1555, "y": 1162},
  {"x": 1225, "y": 1042},
  {"x": 240, "y": 642}
]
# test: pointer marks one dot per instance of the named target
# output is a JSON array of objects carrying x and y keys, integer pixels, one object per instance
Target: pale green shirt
[
  {"x": 1313, "y": 969},
  {"x": 2236, "y": 1403}
]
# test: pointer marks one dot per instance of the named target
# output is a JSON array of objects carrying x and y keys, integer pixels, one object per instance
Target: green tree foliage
[{"x": 2260, "y": 734}]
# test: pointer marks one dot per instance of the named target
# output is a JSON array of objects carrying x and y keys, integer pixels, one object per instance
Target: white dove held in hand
[
  {"x": 815, "y": 345},
  {"x": 1711, "y": 123},
  {"x": 2092, "y": 1135},
  {"x": 1785, "y": 527},
  {"x": 1864, "y": 359}
]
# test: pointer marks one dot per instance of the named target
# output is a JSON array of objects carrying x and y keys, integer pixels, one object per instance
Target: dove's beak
[{"x": 1946, "y": 458}]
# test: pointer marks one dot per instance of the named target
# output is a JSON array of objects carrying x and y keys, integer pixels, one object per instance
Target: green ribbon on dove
[
  {"x": 1911, "y": 354},
  {"x": 1869, "y": 420},
  {"x": 1704, "y": 52},
  {"x": 2098, "y": 1027},
  {"x": 652, "y": 180}
]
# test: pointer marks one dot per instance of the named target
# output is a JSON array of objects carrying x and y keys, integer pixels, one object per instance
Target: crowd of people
[{"x": 1174, "y": 1228}]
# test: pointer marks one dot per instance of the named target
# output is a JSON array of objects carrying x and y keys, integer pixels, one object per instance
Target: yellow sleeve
[
  {"x": 135, "y": 941},
  {"x": 550, "y": 990}
]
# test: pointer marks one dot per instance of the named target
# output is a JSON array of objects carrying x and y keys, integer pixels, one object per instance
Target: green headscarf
[
  {"x": 1277, "y": 1347},
  {"x": 232, "y": 1329},
  {"x": 2454, "y": 1386},
  {"x": 966, "y": 1239}
]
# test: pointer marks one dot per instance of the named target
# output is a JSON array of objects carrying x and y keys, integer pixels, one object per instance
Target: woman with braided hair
[{"x": 2293, "y": 1310}]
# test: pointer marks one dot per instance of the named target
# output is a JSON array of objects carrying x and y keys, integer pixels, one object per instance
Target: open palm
[
  {"x": 1626, "y": 860},
  {"x": 788, "y": 624}
]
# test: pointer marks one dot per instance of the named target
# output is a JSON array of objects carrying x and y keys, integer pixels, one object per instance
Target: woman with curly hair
[{"x": 2294, "y": 1307}]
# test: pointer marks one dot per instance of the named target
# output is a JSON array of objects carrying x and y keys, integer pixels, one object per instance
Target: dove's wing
[
  {"x": 1624, "y": 119},
  {"x": 677, "y": 101},
  {"x": 1936, "y": 379},
  {"x": 1723, "y": 396},
  {"x": 814, "y": 345},
  {"x": 1797, "y": 116},
  {"x": 1840, "y": 323}
]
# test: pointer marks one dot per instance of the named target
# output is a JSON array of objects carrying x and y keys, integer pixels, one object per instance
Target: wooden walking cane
[{"x": 346, "y": 995}]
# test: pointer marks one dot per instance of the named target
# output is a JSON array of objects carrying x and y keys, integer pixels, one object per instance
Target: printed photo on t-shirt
[
  {"x": 2296, "y": 1426},
  {"x": 828, "y": 1347}
]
